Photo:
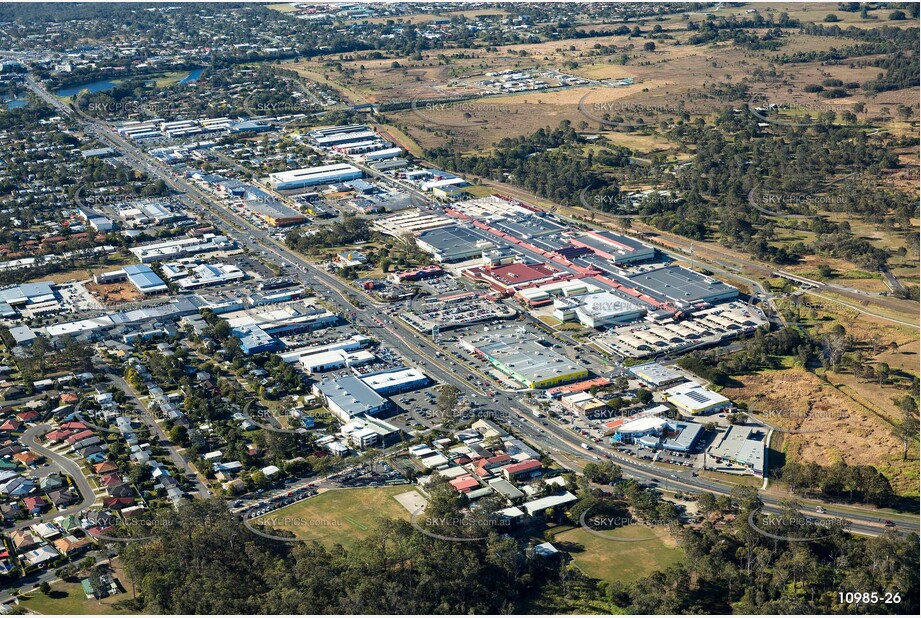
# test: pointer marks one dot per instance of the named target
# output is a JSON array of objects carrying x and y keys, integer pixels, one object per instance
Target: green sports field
[
  {"x": 611, "y": 560},
  {"x": 344, "y": 516}
]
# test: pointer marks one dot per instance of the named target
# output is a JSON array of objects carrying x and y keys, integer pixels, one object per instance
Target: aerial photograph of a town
[{"x": 459, "y": 308}]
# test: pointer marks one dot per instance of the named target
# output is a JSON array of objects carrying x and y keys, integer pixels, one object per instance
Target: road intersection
[{"x": 556, "y": 440}]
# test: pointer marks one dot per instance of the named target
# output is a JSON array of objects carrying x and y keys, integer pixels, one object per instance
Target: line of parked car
[{"x": 273, "y": 504}]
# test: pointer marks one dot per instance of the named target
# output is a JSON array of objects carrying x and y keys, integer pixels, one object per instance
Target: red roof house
[{"x": 464, "y": 483}]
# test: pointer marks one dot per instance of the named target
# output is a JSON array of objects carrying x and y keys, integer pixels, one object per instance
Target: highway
[{"x": 559, "y": 442}]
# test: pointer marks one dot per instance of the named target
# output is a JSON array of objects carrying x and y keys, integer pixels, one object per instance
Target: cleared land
[
  {"x": 627, "y": 561},
  {"x": 114, "y": 292},
  {"x": 343, "y": 516},
  {"x": 68, "y": 599},
  {"x": 842, "y": 425}
]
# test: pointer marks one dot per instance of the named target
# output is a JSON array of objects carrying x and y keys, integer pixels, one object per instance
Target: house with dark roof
[
  {"x": 10, "y": 511},
  {"x": 62, "y": 497},
  {"x": 120, "y": 491},
  {"x": 18, "y": 487}
]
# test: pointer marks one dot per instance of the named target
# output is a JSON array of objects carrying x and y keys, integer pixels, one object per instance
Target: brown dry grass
[
  {"x": 845, "y": 429},
  {"x": 905, "y": 358}
]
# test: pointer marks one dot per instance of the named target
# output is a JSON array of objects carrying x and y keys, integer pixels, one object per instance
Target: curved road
[
  {"x": 555, "y": 439},
  {"x": 68, "y": 466}
]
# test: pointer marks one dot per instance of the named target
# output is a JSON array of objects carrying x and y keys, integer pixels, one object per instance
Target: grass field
[
  {"x": 344, "y": 516},
  {"x": 111, "y": 262},
  {"x": 610, "y": 560},
  {"x": 69, "y": 599},
  {"x": 282, "y": 8},
  {"x": 846, "y": 422}
]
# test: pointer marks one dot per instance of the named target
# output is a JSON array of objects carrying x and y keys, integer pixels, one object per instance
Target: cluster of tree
[
  {"x": 733, "y": 29},
  {"x": 894, "y": 49},
  {"x": 729, "y": 567},
  {"x": 348, "y": 230},
  {"x": 206, "y": 562},
  {"x": 761, "y": 351},
  {"x": 735, "y": 164},
  {"x": 548, "y": 162},
  {"x": 284, "y": 374},
  {"x": 45, "y": 357},
  {"x": 30, "y": 115},
  {"x": 605, "y": 473},
  {"x": 840, "y": 481}
]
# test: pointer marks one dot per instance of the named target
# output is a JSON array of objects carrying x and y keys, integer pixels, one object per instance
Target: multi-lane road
[{"x": 554, "y": 439}]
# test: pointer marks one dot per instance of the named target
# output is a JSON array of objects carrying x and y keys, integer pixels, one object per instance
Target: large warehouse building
[
  {"x": 313, "y": 176},
  {"x": 349, "y": 396},
  {"x": 682, "y": 287},
  {"x": 617, "y": 248},
  {"x": 271, "y": 210},
  {"x": 742, "y": 446},
  {"x": 453, "y": 243},
  {"x": 145, "y": 279},
  {"x": 521, "y": 356}
]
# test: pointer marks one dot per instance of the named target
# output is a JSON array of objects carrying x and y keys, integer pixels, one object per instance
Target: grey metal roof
[
  {"x": 683, "y": 285},
  {"x": 352, "y": 395},
  {"x": 143, "y": 276},
  {"x": 453, "y": 240},
  {"x": 26, "y": 290}
]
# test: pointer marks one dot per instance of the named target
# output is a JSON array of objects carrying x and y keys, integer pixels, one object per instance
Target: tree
[
  {"x": 605, "y": 473},
  {"x": 882, "y": 373},
  {"x": 649, "y": 46},
  {"x": 615, "y": 403},
  {"x": 233, "y": 348},
  {"x": 643, "y": 396},
  {"x": 258, "y": 479},
  {"x": 40, "y": 348},
  {"x": 447, "y": 398},
  {"x": 178, "y": 434},
  {"x": 220, "y": 329},
  {"x": 706, "y": 503},
  {"x": 45, "y": 588},
  {"x": 906, "y": 428}
]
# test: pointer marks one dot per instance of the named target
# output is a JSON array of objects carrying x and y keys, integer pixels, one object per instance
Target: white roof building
[
  {"x": 540, "y": 505},
  {"x": 695, "y": 399}
]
